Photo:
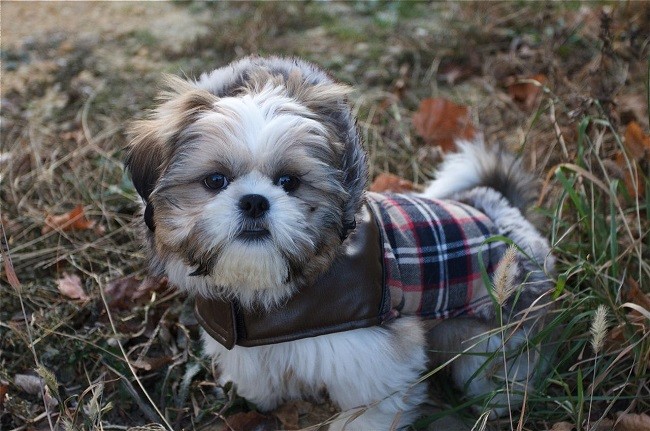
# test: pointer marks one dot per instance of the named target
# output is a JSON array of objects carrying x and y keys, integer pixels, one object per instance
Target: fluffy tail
[
  {"x": 496, "y": 183},
  {"x": 475, "y": 165}
]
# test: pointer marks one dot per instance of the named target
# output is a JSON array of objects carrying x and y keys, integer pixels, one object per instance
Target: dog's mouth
[{"x": 255, "y": 234}]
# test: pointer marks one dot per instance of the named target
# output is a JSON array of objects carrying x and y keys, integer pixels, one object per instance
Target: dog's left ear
[
  {"x": 329, "y": 102},
  {"x": 155, "y": 139}
]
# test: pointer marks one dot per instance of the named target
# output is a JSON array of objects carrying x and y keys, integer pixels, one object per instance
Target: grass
[{"x": 66, "y": 103}]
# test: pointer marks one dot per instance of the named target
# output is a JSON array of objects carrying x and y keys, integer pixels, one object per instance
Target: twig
[
  {"x": 15, "y": 283},
  {"x": 128, "y": 363},
  {"x": 558, "y": 132}
]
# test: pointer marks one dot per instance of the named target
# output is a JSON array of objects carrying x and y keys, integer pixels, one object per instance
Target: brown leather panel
[
  {"x": 217, "y": 317},
  {"x": 350, "y": 295}
]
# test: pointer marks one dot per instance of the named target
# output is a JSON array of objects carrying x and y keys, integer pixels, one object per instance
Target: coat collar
[{"x": 350, "y": 295}]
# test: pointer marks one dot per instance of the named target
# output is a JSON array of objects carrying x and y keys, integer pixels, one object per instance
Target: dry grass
[{"x": 68, "y": 92}]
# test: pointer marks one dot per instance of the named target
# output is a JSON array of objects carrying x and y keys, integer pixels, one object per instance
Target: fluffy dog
[{"x": 253, "y": 180}]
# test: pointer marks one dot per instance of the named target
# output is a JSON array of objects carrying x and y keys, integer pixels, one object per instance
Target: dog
[{"x": 253, "y": 180}]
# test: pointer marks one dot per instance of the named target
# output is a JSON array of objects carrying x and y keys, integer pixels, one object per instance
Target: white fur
[
  {"x": 362, "y": 370},
  {"x": 253, "y": 271},
  {"x": 247, "y": 266},
  {"x": 264, "y": 122},
  {"x": 512, "y": 224},
  {"x": 372, "y": 374},
  {"x": 460, "y": 171}
]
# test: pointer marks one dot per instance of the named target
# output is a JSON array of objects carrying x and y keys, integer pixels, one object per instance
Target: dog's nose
[{"x": 254, "y": 206}]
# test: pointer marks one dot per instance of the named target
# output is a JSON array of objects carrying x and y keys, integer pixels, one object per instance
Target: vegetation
[{"x": 87, "y": 342}]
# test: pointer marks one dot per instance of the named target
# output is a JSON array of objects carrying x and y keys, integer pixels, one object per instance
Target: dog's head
[{"x": 250, "y": 177}]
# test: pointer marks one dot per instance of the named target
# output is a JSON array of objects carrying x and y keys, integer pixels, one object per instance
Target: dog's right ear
[{"x": 154, "y": 140}]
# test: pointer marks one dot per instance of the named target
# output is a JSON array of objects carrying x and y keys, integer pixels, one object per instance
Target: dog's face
[{"x": 248, "y": 192}]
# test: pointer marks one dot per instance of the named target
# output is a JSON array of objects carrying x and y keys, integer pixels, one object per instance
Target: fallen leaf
[
  {"x": 4, "y": 389},
  {"x": 251, "y": 421},
  {"x": 10, "y": 273},
  {"x": 562, "y": 426},
  {"x": 440, "y": 122},
  {"x": 637, "y": 147},
  {"x": 386, "y": 182},
  {"x": 632, "y": 422},
  {"x": 636, "y": 142},
  {"x": 70, "y": 286},
  {"x": 632, "y": 293},
  {"x": 72, "y": 220},
  {"x": 122, "y": 293},
  {"x": 149, "y": 285},
  {"x": 289, "y": 413},
  {"x": 630, "y": 174},
  {"x": 150, "y": 364},
  {"x": 527, "y": 90}
]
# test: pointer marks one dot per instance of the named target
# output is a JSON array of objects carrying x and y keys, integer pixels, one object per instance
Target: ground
[{"x": 88, "y": 342}]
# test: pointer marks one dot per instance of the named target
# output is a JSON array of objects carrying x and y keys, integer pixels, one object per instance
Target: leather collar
[{"x": 350, "y": 295}]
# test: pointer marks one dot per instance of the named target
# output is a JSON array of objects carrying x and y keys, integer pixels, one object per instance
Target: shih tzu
[{"x": 253, "y": 180}]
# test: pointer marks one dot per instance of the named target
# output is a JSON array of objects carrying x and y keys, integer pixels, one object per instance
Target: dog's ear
[
  {"x": 328, "y": 100},
  {"x": 355, "y": 166},
  {"x": 154, "y": 140}
]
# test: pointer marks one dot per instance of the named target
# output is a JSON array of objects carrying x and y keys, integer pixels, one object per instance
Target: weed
[{"x": 76, "y": 79}]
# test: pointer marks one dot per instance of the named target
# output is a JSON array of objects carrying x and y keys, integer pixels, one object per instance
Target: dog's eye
[
  {"x": 288, "y": 182},
  {"x": 215, "y": 181}
]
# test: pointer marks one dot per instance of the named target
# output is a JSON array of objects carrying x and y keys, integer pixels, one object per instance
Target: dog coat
[{"x": 408, "y": 255}]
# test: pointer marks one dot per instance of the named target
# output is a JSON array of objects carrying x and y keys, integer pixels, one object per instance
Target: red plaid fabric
[{"x": 432, "y": 250}]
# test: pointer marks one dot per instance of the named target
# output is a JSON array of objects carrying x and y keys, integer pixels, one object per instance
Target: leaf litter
[{"x": 55, "y": 72}]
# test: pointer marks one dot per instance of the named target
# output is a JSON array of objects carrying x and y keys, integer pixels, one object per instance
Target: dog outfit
[{"x": 408, "y": 255}]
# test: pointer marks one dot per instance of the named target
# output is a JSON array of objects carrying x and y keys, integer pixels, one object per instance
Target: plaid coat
[
  {"x": 432, "y": 253},
  {"x": 407, "y": 256}
]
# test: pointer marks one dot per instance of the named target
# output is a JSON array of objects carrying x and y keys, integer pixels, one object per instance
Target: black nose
[{"x": 254, "y": 206}]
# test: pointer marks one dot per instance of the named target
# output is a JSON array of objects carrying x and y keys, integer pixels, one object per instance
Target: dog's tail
[
  {"x": 496, "y": 183},
  {"x": 475, "y": 165}
]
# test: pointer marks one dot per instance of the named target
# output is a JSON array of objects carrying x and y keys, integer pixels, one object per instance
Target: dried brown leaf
[
  {"x": 10, "y": 273},
  {"x": 289, "y": 413},
  {"x": 70, "y": 286},
  {"x": 632, "y": 422},
  {"x": 72, "y": 220},
  {"x": 4, "y": 389},
  {"x": 152, "y": 364},
  {"x": 440, "y": 122},
  {"x": 562, "y": 426},
  {"x": 637, "y": 148},
  {"x": 632, "y": 178},
  {"x": 526, "y": 91},
  {"x": 632, "y": 293},
  {"x": 122, "y": 293},
  {"x": 251, "y": 421},
  {"x": 636, "y": 142},
  {"x": 386, "y": 182}
]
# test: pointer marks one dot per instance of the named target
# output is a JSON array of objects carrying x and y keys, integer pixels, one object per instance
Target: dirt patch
[{"x": 25, "y": 22}]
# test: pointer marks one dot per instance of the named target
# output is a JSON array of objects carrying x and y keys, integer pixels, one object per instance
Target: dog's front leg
[{"x": 374, "y": 376}]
